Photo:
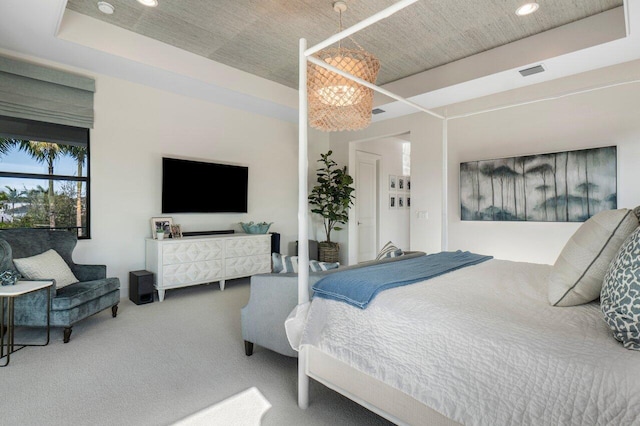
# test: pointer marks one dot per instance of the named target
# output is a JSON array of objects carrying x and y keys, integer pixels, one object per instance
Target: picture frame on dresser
[
  {"x": 161, "y": 222},
  {"x": 176, "y": 231}
]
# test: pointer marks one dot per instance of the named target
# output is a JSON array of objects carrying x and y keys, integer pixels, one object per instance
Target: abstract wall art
[{"x": 566, "y": 186}]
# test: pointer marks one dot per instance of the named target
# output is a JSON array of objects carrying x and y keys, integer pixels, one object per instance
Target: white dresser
[{"x": 182, "y": 262}]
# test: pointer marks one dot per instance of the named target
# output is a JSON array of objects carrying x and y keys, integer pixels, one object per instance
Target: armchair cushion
[
  {"x": 69, "y": 297},
  {"x": 47, "y": 265}
]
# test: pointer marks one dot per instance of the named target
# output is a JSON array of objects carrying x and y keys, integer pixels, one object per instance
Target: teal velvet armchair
[{"x": 93, "y": 293}]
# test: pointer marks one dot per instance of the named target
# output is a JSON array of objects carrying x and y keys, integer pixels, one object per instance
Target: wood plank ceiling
[{"x": 261, "y": 36}]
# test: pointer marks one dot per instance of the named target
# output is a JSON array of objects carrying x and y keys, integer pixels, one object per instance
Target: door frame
[
  {"x": 352, "y": 257},
  {"x": 356, "y": 229}
]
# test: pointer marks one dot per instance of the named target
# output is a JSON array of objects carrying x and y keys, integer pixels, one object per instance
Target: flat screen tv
[{"x": 199, "y": 187}]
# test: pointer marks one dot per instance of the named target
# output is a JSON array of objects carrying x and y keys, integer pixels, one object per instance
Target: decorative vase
[
  {"x": 160, "y": 235},
  {"x": 328, "y": 252}
]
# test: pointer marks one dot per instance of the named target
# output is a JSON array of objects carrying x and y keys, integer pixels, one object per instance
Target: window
[
  {"x": 406, "y": 158},
  {"x": 44, "y": 176}
]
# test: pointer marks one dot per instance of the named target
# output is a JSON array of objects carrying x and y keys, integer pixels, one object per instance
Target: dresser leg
[
  {"x": 161, "y": 295},
  {"x": 221, "y": 285}
]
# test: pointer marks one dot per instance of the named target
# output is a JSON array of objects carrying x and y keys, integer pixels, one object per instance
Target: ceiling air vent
[
  {"x": 377, "y": 111},
  {"x": 533, "y": 70}
]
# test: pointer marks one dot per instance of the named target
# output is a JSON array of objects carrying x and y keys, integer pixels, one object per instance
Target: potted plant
[
  {"x": 332, "y": 198},
  {"x": 160, "y": 232}
]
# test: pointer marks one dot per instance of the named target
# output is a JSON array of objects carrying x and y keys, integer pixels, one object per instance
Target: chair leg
[
  {"x": 114, "y": 311},
  {"x": 67, "y": 334},
  {"x": 248, "y": 348}
]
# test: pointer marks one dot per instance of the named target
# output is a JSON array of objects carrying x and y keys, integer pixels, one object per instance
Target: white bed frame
[{"x": 369, "y": 392}]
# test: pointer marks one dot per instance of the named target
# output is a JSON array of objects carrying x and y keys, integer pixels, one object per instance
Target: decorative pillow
[
  {"x": 45, "y": 266},
  {"x": 315, "y": 266},
  {"x": 285, "y": 264},
  {"x": 389, "y": 250},
  {"x": 620, "y": 297},
  {"x": 577, "y": 275}
]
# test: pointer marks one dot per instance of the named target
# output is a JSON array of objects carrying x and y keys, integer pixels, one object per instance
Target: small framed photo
[
  {"x": 393, "y": 201},
  {"x": 407, "y": 182},
  {"x": 163, "y": 223},
  {"x": 400, "y": 183},
  {"x": 393, "y": 183},
  {"x": 176, "y": 231},
  {"x": 408, "y": 202},
  {"x": 400, "y": 202}
]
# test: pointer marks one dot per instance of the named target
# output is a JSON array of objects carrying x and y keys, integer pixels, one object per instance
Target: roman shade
[{"x": 39, "y": 93}]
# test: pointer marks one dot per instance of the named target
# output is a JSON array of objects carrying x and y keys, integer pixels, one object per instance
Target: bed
[{"x": 480, "y": 345}]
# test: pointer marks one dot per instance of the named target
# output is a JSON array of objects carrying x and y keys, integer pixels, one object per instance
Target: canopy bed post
[
  {"x": 445, "y": 180},
  {"x": 303, "y": 216}
]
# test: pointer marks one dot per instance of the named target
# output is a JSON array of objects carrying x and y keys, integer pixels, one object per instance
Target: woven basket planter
[{"x": 328, "y": 252}]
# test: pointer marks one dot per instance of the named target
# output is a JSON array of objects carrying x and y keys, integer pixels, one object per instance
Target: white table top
[{"x": 23, "y": 287}]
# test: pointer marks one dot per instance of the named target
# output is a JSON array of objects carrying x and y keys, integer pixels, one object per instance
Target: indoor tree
[{"x": 331, "y": 198}]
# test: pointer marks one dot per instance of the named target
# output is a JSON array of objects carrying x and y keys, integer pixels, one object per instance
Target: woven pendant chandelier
[{"x": 337, "y": 103}]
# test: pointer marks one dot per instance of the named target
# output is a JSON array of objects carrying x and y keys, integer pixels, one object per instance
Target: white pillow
[
  {"x": 45, "y": 266},
  {"x": 577, "y": 275}
]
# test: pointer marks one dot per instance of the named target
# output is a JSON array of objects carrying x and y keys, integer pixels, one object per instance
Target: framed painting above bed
[{"x": 569, "y": 186}]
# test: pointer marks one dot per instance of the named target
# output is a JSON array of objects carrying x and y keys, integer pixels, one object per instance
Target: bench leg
[
  {"x": 114, "y": 311},
  {"x": 248, "y": 348},
  {"x": 66, "y": 334}
]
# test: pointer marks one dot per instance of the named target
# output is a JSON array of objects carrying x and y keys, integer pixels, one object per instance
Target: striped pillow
[
  {"x": 283, "y": 264},
  {"x": 389, "y": 250},
  {"x": 315, "y": 266}
]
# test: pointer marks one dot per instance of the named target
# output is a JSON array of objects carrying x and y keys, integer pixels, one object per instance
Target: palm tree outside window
[{"x": 44, "y": 179}]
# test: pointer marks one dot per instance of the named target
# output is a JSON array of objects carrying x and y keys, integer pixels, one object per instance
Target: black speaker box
[{"x": 141, "y": 287}]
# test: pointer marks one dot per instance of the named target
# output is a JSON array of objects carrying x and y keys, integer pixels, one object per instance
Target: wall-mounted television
[{"x": 202, "y": 187}]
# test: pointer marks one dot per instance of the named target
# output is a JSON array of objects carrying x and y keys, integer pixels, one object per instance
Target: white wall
[
  {"x": 598, "y": 118},
  {"x": 394, "y": 224},
  {"x": 595, "y": 119},
  {"x": 426, "y": 174},
  {"x": 135, "y": 126}
]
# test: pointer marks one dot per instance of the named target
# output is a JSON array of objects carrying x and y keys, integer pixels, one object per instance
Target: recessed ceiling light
[
  {"x": 150, "y": 3},
  {"x": 527, "y": 8},
  {"x": 106, "y": 8}
]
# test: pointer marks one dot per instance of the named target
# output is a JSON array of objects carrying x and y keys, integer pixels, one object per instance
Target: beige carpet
[{"x": 159, "y": 364}]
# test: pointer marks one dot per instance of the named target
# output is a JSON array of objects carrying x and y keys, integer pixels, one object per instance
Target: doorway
[{"x": 381, "y": 212}]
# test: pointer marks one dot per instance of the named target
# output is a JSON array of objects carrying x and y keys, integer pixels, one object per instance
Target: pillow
[
  {"x": 389, "y": 250},
  {"x": 577, "y": 275},
  {"x": 620, "y": 296},
  {"x": 315, "y": 266},
  {"x": 46, "y": 266},
  {"x": 285, "y": 264}
]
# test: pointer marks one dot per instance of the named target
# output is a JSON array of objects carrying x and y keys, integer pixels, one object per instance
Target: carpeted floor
[{"x": 159, "y": 363}]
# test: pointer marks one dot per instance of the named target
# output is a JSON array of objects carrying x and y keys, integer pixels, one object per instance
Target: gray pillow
[
  {"x": 620, "y": 297},
  {"x": 577, "y": 275}
]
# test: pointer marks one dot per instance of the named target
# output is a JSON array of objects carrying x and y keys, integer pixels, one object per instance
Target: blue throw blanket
[{"x": 359, "y": 286}]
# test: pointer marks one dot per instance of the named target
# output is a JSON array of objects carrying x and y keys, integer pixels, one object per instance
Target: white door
[{"x": 367, "y": 204}]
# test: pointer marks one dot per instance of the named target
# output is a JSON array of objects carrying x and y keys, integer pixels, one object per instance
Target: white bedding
[{"x": 483, "y": 346}]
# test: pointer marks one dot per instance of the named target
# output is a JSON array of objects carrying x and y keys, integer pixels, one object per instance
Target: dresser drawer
[
  {"x": 193, "y": 272},
  {"x": 196, "y": 251},
  {"x": 239, "y": 247},
  {"x": 249, "y": 265}
]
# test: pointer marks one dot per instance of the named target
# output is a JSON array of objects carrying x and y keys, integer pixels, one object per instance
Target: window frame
[{"x": 57, "y": 130}]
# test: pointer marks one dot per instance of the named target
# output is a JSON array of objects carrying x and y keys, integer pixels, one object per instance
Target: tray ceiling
[{"x": 261, "y": 37}]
